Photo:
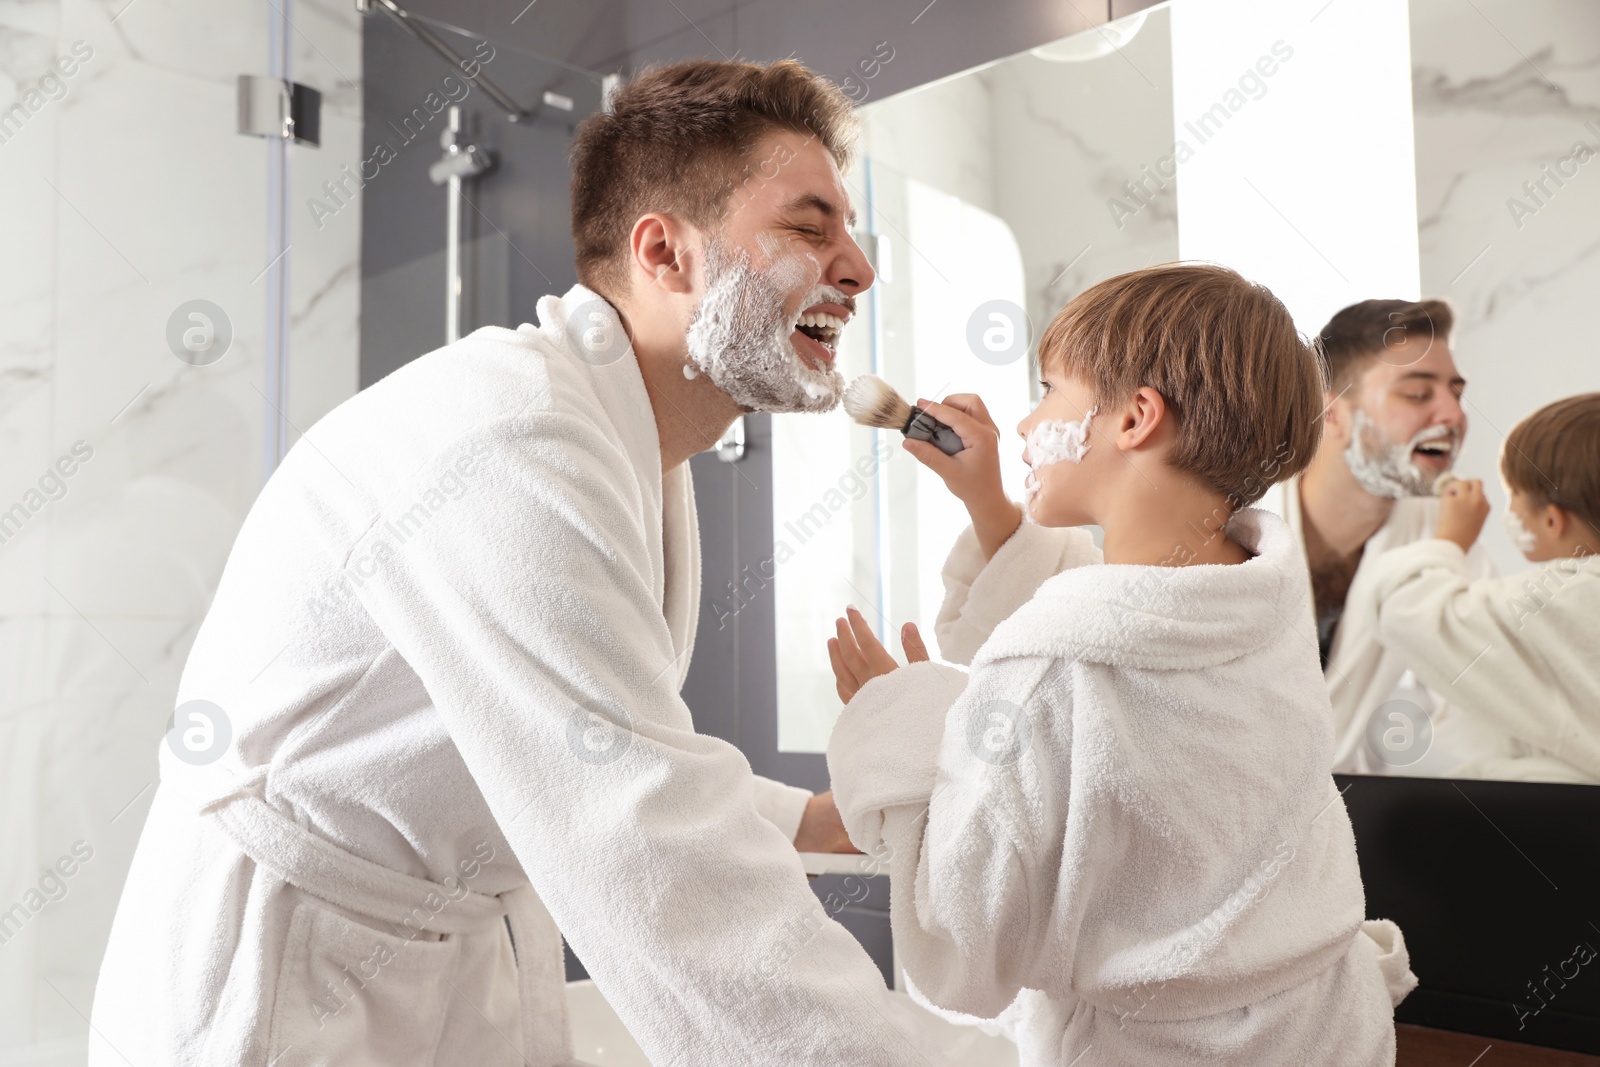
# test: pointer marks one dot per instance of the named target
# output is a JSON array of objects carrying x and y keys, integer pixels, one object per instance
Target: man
[
  {"x": 448, "y": 644},
  {"x": 1394, "y": 425}
]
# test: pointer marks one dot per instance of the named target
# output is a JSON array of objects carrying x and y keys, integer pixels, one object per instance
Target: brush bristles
[{"x": 871, "y": 401}]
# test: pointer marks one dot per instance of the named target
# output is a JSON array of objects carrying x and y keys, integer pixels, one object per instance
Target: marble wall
[
  {"x": 1504, "y": 97},
  {"x": 125, "y": 471}
]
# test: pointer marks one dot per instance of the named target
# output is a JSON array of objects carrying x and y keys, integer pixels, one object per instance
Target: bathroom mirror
[{"x": 1335, "y": 151}]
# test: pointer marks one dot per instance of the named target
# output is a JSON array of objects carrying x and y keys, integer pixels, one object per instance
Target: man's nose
[
  {"x": 850, "y": 270},
  {"x": 1451, "y": 413}
]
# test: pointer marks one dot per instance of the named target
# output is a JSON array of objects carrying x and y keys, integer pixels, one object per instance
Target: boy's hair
[
  {"x": 1358, "y": 334},
  {"x": 1245, "y": 388},
  {"x": 678, "y": 139},
  {"x": 1553, "y": 456}
]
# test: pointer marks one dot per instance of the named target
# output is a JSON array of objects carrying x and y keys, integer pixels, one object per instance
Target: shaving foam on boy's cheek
[
  {"x": 1520, "y": 535},
  {"x": 1055, "y": 441}
]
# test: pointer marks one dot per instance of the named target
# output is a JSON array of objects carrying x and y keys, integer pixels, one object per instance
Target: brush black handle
[{"x": 924, "y": 427}]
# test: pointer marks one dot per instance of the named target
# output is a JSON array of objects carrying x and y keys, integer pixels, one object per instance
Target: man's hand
[
  {"x": 973, "y": 474},
  {"x": 858, "y": 656},
  {"x": 822, "y": 828},
  {"x": 1462, "y": 509}
]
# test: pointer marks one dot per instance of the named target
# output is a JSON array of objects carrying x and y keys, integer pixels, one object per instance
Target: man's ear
[
  {"x": 659, "y": 247},
  {"x": 1140, "y": 418},
  {"x": 1336, "y": 419}
]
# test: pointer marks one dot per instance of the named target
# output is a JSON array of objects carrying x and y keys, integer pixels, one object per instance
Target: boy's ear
[
  {"x": 1556, "y": 520},
  {"x": 1140, "y": 418},
  {"x": 659, "y": 247}
]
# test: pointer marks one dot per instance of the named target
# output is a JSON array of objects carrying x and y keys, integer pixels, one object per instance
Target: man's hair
[
  {"x": 1244, "y": 387},
  {"x": 678, "y": 139},
  {"x": 1553, "y": 456},
  {"x": 1360, "y": 333}
]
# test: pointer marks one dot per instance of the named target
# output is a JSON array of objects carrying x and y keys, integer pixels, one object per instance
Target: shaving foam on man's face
[
  {"x": 743, "y": 334},
  {"x": 1409, "y": 468}
]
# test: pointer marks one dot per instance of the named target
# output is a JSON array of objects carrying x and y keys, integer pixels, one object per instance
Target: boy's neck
[{"x": 1175, "y": 524}]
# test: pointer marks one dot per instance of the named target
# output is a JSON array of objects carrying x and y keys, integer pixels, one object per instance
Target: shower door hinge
[{"x": 272, "y": 107}]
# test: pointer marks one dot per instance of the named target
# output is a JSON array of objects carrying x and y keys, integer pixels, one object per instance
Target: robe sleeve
[
  {"x": 980, "y": 594},
  {"x": 1492, "y": 647},
  {"x": 525, "y": 606},
  {"x": 936, "y": 779},
  {"x": 780, "y": 804}
]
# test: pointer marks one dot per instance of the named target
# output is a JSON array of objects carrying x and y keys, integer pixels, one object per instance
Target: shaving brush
[
  {"x": 1441, "y": 483},
  {"x": 871, "y": 401}
]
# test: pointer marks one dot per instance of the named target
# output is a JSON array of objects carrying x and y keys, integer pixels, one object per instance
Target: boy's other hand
[
  {"x": 858, "y": 656},
  {"x": 1462, "y": 510},
  {"x": 822, "y": 827},
  {"x": 973, "y": 474}
]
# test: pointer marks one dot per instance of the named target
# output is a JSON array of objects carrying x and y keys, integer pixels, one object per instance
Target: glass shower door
[{"x": 145, "y": 388}]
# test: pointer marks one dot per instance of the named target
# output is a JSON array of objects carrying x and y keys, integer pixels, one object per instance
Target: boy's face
[
  {"x": 1528, "y": 523},
  {"x": 1401, "y": 424},
  {"x": 1061, "y": 488}
]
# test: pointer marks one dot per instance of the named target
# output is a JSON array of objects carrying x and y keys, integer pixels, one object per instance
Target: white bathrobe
[
  {"x": 448, "y": 646},
  {"x": 1363, "y": 673},
  {"x": 1519, "y": 656},
  {"x": 1120, "y": 829}
]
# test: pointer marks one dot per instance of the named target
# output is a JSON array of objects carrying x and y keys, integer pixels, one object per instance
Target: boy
[
  {"x": 1120, "y": 829},
  {"x": 1515, "y": 656}
]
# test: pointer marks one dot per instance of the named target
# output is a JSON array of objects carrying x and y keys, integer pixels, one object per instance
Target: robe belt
[{"x": 319, "y": 867}]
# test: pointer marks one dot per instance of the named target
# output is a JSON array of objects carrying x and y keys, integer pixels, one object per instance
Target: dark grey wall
[
  {"x": 931, "y": 40},
  {"x": 516, "y": 219}
]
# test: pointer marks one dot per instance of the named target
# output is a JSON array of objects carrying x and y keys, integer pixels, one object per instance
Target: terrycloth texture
[
  {"x": 451, "y": 636},
  {"x": 1518, "y": 656},
  {"x": 1362, "y": 673},
  {"x": 1132, "y": 839},
  {"x": 979, "y": 595}
]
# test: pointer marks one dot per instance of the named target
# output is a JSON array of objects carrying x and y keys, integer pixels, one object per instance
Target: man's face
[
  {"x": 1402, "y": 423},
  {"x": 780, "y": 281}
]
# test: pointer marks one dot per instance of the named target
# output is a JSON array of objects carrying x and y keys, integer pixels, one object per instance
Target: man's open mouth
[
  {"x": 1440, "y": 453},
  {"x": 819, "y": 327}
]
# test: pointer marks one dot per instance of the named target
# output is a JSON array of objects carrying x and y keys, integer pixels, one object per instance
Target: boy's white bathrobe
[
  {"x": 448, "y": 646},
  {"x": 1519, "y": 656},
  {"x": 1124, "y": 813}
]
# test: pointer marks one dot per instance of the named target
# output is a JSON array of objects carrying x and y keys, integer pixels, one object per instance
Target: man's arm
[{"x": 527, "y": 609}]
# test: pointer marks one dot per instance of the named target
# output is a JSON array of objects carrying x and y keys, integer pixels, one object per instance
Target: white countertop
[{"x": 842, "y": 863}]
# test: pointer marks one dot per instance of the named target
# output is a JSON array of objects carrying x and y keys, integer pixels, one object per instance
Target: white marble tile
[
  {"x": 325, "y": 281},
  {"x": 27, "y": 275},
  {"x": 211, "y": 40},
  {"x": 181, "y": 217},
  {"x": 1498, "y": 97},
  {"x": 34, "y": 16},
  {"x": 156, "y": 200},
  {"x": 1068, "y": 136},
  {"x": 327, "y": 54}
]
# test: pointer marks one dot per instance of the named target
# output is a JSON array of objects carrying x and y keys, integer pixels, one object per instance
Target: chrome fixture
[
  {"x": 422, "y": 32},
  {"x": 458, "y": 162}
]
